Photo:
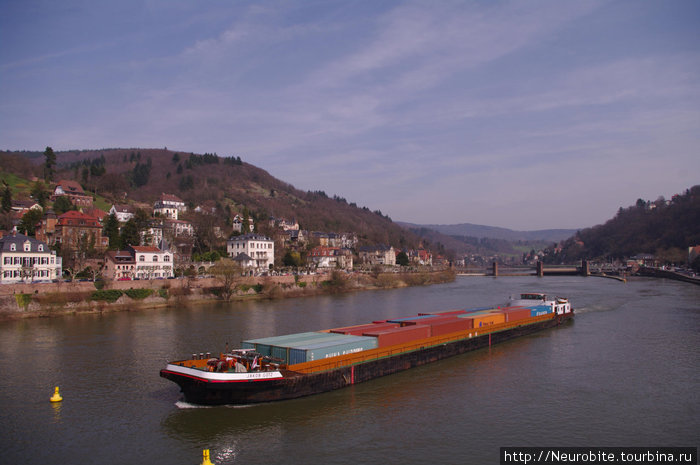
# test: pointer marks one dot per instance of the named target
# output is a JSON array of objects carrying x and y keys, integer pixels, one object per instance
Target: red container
[
  {"x": 516, "y": 314},
  {"x": 403, "y": 335},
  {"x": 361, "y": 329},
  {"x": 452, "y": 326}
]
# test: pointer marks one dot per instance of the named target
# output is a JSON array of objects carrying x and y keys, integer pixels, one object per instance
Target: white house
[
  {"x": 25, "y": 259},
  {"x": 260, "y": 249},
  {"x": 123, "y": 212},
  {"x": 169, "y": 206},
  {"x": 151, "y": 262},
  {"x": 179, "y": 228}
]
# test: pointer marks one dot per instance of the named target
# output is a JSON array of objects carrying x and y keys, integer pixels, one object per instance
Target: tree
[
  {"x": 111, "y": 230},
  {"x": 6, "y": 198},
  {"x": 27, "y": 224},
  {"x": 49, "y": 164},
  {"x": 39, "y": 193},
  {"x": 291, "y": 258},
  {"x": 130, "y": 234},
  {"x": 226, "y": 273},
  {"x": 402, "y": 259},
  {"x": 62, "y": 204}
]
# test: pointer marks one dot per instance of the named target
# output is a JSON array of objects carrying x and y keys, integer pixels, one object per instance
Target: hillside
[
  {"x": 139, "y": 176},
  {"x": 664, "y": 228},
  {"x": 492, "y": 232}
]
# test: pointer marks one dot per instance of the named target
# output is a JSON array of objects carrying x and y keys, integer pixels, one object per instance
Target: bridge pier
[
  {"x": 585, "y": 268},
  {"x": 540, "y": 269},
  {"x": 495, "y": 269}
]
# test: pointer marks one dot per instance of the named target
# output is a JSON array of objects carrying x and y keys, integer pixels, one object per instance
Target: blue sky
[{"x": 527, "y": 114}]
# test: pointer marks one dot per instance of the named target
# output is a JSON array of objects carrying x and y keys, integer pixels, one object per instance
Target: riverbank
[{"x": 37, "y": 300}]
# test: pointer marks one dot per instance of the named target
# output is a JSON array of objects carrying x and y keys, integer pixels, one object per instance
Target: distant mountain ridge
[{"x": 493, "y": 232}]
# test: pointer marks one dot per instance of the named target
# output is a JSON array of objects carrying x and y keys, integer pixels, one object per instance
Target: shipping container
[
  {"x": 516, "y": 314},
  {"x": 453, "y": 326},
  {"x": 487, "y": 319},
  {"x": 433, "y": 319},
  {"x": 301, "y": 352},
  {"x": 403, "y": 335},
  {"x": 359, "y": 330},
  {"x": 410, "y": 320},
  {"x": 449, "y": 312}
]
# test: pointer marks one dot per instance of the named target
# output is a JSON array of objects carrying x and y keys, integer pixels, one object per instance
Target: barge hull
[{"x": 295, "y": 385}]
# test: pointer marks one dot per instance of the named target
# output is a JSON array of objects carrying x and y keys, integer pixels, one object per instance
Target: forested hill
[
  {"x": 141, "y": 175},
  {"x": 664, "y": 228}
]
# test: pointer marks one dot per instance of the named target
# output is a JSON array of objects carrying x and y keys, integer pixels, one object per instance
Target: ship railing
[{"x": 384, "y": 352}]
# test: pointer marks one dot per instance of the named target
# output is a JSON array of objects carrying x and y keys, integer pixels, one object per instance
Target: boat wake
[{"x": 183, "y": 405}]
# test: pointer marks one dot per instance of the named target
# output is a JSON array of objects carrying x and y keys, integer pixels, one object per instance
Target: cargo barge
[{"x": 296, "y": 365}]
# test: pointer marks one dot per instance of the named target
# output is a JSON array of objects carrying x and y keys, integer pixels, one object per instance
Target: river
[{"x": 624, "y": 373}]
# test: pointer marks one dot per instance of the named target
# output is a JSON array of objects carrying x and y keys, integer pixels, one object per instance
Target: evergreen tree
[
  {"x": 49, "y": 164},
  {"x": 39, "y": 193},
  {"x": 129, "y": 234},
  {"x": 27, "y": 224},
  {"x": 6, "y": 199},
  {"x": 63, "y": 204},
  {"x": 111, "y": 230}
]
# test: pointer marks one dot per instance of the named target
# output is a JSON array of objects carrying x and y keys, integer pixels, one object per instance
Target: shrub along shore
[{"x": 59, "y": 299}]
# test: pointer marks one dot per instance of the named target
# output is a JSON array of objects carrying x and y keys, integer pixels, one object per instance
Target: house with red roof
[{"x": 74, "y": 191}]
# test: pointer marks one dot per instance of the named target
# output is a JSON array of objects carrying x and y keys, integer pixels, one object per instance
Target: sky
[{"x": 521, "y": 114}]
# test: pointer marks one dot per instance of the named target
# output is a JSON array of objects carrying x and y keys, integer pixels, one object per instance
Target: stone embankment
[{"x": 62, "y": 298}]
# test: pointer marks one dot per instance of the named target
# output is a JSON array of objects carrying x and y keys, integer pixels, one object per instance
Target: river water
[{"x": 624, "y": 373}]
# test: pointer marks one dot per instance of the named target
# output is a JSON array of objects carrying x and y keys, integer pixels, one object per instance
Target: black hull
[{"x": 299, "y": 385}]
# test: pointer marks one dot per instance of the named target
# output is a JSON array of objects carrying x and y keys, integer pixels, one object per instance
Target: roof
[
  {"x": 96, "y": 212},
  {"x": 19, "y": 241},
  {"x": 120, "y": 256},
  {"x": 242, "y": 257},
  {"x": 123, "y": 208},
  {"x": 144, "y": 248},
  {"x": 250, "y": 237},
  {"x": 71, "y": 187},
  {"x": 76, "y": 218},
  {"x": 170, "y": 198}
]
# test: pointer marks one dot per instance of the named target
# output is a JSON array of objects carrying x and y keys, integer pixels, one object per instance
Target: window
[
  {"x": 41, "y": 247},
  {"x": 142, "y": 258},
  {"x": 13, "y": 247},
  {"x": 27, "y": 246},
  {"x": 155, "y": 258},
  {"x": 166, "y": 258}
]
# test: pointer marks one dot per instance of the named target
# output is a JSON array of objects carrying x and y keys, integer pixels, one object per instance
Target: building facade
[
  {"x": 74, "y": 191},
  {"x": 260, "y": 249},
  {"x": 26, "y": 259},
  {"x": 169, "y": 206},
  {"x": 331, "y": 257}
]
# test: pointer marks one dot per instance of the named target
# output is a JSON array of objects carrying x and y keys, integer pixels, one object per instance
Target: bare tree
[{"x": 226, "y": 273}]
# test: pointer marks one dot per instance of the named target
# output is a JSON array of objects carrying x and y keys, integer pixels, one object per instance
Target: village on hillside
[{"x": 70, "y": 238}]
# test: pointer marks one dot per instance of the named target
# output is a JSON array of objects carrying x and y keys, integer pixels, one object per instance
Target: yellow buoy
[
  {"x": 56, "y": 397},
  {"x": 205, "y": 459}
]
